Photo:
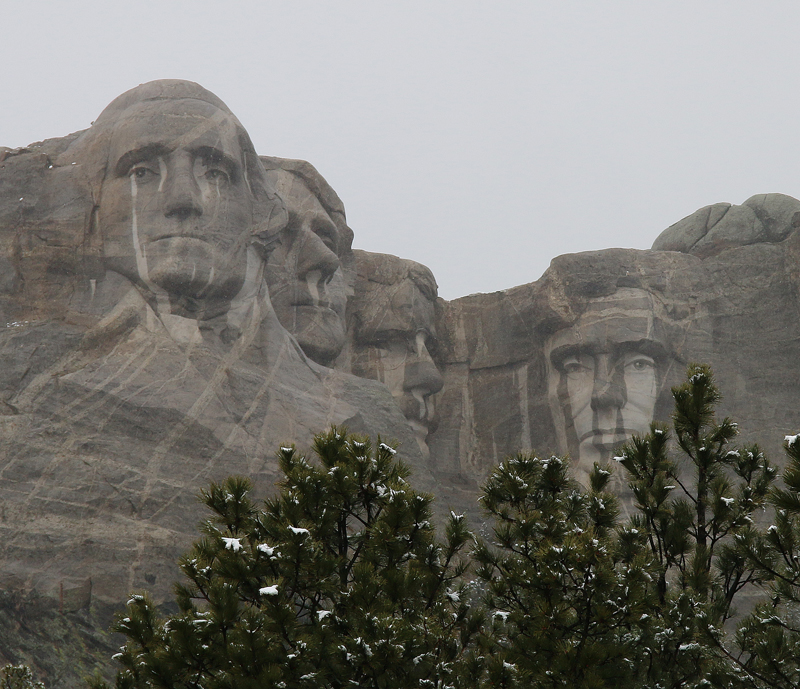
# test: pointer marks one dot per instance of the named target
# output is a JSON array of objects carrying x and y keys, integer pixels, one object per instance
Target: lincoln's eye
[
  {"x": 576, "y": 365},
  {"x": 639, "y": 363}
]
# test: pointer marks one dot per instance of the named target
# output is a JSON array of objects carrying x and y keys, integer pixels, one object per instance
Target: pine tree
[
  {"x": 695, "y": 514},
  {"x": 18, "y": 677},
  {"x": 579, "y": 599},
  {"x": 338, "y": 581},
  {"x": 771, "y": 634},
  {"x": 568, "y": 592}
]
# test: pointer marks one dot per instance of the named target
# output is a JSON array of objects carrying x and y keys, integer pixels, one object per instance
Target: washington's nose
[
  {"x": 182, "y": 193},
  {"x": 608, "y": 391}
]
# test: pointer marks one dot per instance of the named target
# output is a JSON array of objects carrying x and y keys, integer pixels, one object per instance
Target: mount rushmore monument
[{"x": 174, "y": 307}]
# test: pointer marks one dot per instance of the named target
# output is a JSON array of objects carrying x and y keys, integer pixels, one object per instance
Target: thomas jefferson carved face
[
  {"x": 305, "y": 278},
  {"x": 395, "y": 330},
  {"x": 604, "y": 376},
  {"x": 176, "y": 210}
]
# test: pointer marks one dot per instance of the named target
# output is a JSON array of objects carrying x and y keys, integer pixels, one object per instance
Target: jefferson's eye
[
  {"x": 217, "y": 174},
  {"x": 327, "y": 233},
  {"x": 329, "y": 241}
]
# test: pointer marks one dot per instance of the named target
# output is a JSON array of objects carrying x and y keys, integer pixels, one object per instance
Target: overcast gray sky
[{"x": 481, "y": 139}]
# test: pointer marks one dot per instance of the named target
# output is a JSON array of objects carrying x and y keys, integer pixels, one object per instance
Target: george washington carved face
[{"x": 176, "y": 210}]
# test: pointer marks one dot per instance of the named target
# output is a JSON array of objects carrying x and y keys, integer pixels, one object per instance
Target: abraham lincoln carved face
[{"x": 605, "y": 374}]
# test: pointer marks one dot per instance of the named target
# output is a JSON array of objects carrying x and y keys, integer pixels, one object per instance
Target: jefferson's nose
[
  {"x": 183, "y": 198},
  {"x": 314, "y": 255},
  {"x": 609, "y": 387}
]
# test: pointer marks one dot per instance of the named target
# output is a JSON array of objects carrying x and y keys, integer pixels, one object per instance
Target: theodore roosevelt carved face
[
  {"x": 604, "y": 374},
  {"x": 394, "y": 309}
]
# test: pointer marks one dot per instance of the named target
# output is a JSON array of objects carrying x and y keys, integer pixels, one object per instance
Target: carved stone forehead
[
  {"x": 161, "y": 90},
  {"x": 627, "y": 316},
  {"x": 625, "y": 303},
  {"x": 393, "y": 308},
  {"x": 175, "y": 124},
  {"x": 295, "y": 192}
]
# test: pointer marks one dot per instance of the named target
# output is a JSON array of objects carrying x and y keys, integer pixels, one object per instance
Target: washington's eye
[
  {"x": 214, "y": 167},
  {"x": 143, "y": 172}
]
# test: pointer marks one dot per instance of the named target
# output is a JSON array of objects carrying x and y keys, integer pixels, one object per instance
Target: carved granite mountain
[
  {"x": 142, "y": 356},
  {"x": 174, "y": 307},
  {"x": 583, "y": 358}
]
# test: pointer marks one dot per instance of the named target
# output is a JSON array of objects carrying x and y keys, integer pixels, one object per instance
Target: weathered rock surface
[
  {"x": 736, "y": 310},
  {"x": 62, "y": 644},
  {"x": 141, "y": 355},
  {"x": 710, "y": 230},
  {"x": 174, "y": 307}
]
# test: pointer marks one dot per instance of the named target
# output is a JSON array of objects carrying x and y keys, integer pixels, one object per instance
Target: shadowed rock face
[
  {"x": 605, "y": 374},
  {"x": 174, "y": 307},
  {"x": 585, "y": 357},
  {"x": 764, "y": 218}
]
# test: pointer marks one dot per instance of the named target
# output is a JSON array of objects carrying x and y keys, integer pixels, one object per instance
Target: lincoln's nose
[{"x": 609, "y": 387}]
